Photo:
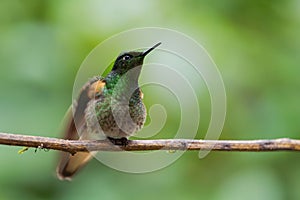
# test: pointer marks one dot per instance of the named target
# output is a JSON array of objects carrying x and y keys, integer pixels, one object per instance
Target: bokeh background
[{"x": 255, "y": 45}]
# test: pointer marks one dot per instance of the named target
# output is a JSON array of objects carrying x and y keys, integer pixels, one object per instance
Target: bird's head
[{"x": 129, "y": 60}]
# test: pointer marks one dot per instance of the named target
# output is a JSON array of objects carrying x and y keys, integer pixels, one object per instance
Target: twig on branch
[{"x": 73, "y": 146}]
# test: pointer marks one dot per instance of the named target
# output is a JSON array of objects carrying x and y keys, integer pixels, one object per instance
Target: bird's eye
[{"x": 126, "y": 57}]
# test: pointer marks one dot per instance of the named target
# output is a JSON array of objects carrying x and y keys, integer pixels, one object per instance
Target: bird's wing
[{"x": 70, "y": 164}]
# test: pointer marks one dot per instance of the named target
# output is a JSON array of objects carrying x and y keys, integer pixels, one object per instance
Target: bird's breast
[{"x": 116, "y": 117}]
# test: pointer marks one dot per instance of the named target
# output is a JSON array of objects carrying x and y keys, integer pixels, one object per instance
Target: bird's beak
[{"x": 149, "y": 50}]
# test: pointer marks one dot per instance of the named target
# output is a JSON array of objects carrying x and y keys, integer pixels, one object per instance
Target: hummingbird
[{"x": 112, "y": 104}]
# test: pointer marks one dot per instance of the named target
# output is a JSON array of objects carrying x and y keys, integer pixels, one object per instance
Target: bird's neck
[{"x": 123, "y": 82}]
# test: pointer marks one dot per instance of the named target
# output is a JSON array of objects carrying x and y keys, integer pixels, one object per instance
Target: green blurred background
[{"x": 254, "y": 43}]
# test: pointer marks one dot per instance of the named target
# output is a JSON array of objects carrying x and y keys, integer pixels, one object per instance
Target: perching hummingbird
[{"x": 113, "y": 103}]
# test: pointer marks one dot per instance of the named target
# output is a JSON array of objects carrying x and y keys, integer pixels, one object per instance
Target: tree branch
[{"x": 73, "y": 146}]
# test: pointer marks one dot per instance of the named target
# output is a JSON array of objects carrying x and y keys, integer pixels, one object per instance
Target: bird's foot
[{"x": 119, "y": 141}]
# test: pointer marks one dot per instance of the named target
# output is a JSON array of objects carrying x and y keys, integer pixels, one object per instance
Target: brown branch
[{"x": 74, "y": 146}]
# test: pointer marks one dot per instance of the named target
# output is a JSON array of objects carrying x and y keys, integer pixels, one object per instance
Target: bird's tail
[{"x": 70, "y": 164}]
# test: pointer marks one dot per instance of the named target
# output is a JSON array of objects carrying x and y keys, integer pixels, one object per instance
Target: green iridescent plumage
[{"x": 118, "y": 108}]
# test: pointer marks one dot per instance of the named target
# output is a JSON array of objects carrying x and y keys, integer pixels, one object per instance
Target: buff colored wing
[{"x": 70, "y": 164}]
